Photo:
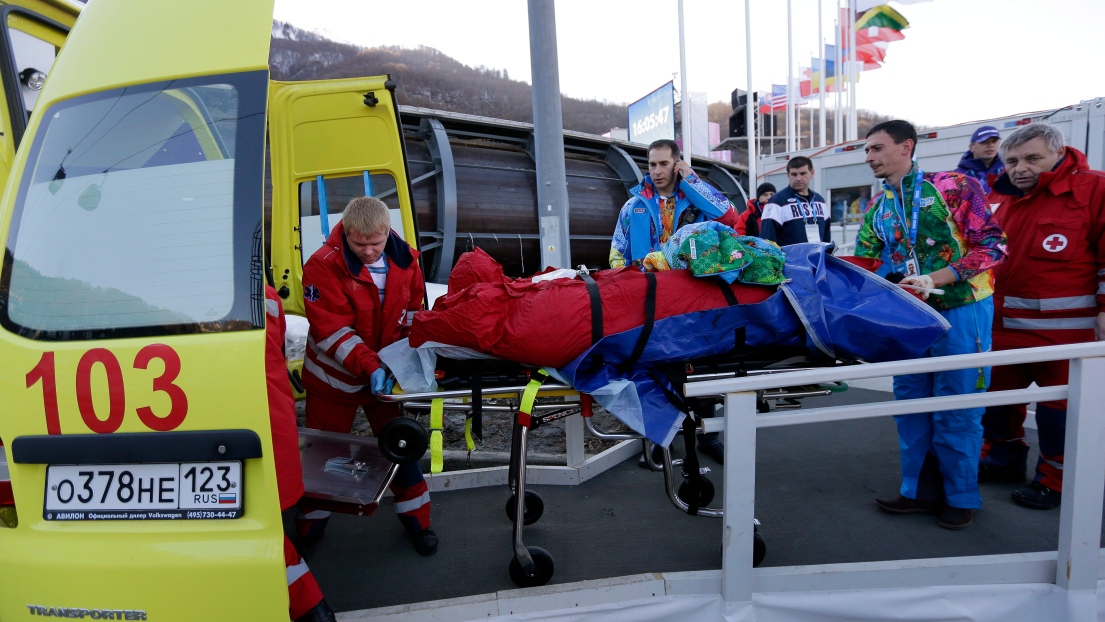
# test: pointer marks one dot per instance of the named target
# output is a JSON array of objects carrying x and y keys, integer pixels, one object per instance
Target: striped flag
[{"x": 777, "y": 100}]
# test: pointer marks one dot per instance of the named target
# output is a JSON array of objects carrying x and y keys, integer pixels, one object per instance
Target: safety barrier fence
[{"x": 1074, "y": 567}]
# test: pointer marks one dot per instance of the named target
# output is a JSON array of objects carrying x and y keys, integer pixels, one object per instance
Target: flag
[
  {"x": 777, "y": 100},
  {"x": 830, "y": 71},
  {"x": 881, "y": 16},
  {"x": 875, "y": 28}
]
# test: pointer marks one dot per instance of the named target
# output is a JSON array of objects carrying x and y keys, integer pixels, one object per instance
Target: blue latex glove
[{"x": 376, "y": 381}]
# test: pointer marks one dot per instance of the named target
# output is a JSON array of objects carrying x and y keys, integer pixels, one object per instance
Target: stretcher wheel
[
  {"x": 705, "y": 492},
  {"x": 535, "y": 507},
  {"x": 538, "y": 574},
  {"x": 759, "y": 549},
  {"x": 403, "y": 440}
]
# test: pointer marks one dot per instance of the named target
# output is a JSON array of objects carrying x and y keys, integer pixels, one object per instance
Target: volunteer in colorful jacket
[
  {"x": 1051, "y": 291},
  {"x": 748, "y": 223},
  {"x": 796, "y": 214},
  {"x": 361, "y": 290},
  {"x": 936, "y": 229},
  {"x": 670, "y": 196},
  {"x": 982, "y": 158}
]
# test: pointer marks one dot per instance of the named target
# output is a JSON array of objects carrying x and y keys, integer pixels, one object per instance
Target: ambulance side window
[
  {"x": 138, "y": 213},
  {"x": 339, "y": 192},
  {"x": 34, "y": 56}
]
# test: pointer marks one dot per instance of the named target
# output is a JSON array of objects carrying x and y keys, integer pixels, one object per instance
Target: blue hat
[{"x": 984, "y": 133}]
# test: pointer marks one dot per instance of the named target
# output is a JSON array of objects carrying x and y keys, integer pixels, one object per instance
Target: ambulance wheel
[
  {"x": 705, "y": 492},
  {"x": 759, "y": 549},
  {"x": 535, "y": 507},
  {"x": 537, "y": 574},
  {"x": 403, "y": 440}
]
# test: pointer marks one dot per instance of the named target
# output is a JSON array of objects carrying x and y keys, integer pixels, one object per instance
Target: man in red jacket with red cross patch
[
  {"x": 361, "y": 291},
  {"x": 1051, "y": 291}
]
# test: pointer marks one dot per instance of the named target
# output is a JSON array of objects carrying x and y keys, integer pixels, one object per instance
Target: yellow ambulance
[{"x": 138, "y": 478}]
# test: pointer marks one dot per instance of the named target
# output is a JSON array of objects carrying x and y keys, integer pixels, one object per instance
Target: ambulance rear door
[
  {"x": 331, "y": 141},
  {"x": 132, "y": 343}
]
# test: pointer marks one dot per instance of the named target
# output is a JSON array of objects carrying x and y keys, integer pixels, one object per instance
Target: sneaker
[
  {"x": 425, "y": 542},
  {"x": 1038, "y": 497},
  {"x": 999, "y": 473},
  {"x": 319, "y": 613},
  {"x": 955, "y": 518},
  {"x": 714, "y": 450},
  {"x": 905, "y": 505}
]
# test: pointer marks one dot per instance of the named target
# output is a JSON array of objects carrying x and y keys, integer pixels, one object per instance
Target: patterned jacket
[
  {"x": 955, "y": 230},
  {"x": 640, "y": 229}
]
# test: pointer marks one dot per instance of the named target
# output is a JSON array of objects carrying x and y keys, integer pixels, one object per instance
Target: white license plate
[{"x": 171, "y": 491}]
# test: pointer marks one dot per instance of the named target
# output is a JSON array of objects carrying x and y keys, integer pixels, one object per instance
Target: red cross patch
[{"x": 1055, "y": 243}]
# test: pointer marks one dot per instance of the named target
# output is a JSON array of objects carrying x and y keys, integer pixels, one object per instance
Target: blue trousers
[{"x": 940, "y": 449}]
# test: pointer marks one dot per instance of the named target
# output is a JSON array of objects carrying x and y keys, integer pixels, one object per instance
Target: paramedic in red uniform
[
  {"x": 361, "y": 291},
  {"x": 305, "y": 602},
  {"x": 1051, "y": 291}
]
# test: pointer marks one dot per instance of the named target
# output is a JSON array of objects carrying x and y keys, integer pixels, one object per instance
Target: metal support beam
[
  {"x": 624, "y": 166},
  {"x": 548, "y": 134},
  {"x": 730, "y": 186},
  {"x": 437, "y": 140}
]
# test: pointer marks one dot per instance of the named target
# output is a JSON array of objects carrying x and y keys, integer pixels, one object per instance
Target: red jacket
[
  {"x": 285, "y": 434},
  {"x": 748, "y": 222},
  {"x": 348, "y": 322},
  {"x": 1052, "y": 285}
]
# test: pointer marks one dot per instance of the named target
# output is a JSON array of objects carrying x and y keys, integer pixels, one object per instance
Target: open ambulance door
[
  {"x": 132, "y": 343},
  {"x": 331, "y": 141}
]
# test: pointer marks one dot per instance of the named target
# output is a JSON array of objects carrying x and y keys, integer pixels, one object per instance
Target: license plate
[{"x": 173, "y": 491}]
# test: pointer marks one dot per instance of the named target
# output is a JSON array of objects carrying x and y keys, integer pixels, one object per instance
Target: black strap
[
  {"x": 646, "y": 330},
  {"x": 690, "y": 464},
  {"x": 727, "y": 291},
  {"x": 596, "y": 307}
]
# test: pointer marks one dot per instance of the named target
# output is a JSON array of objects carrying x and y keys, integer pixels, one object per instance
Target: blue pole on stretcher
[
  {"x": 367, "y": 184},
  {"x": 324, "y": 217}
]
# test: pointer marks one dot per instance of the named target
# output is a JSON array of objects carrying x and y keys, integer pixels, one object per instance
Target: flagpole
[
  {"x": 811, "y": 117},
  {"x": 853, "y": 127},
  {"x": 790, "y": 82},
  {"x": 838, "y": 80},
  {"x": 824, "y": 77},
  {"x": 749, "y": 119},
  {"x": 685, "y": 95}
]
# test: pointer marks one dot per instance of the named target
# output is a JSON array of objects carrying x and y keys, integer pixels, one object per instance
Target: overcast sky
[{"x": 961, "y": 60}]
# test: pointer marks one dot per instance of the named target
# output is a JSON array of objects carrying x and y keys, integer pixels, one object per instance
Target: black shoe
[
  {"x": 425, "y": 542},
  {"x": 999, "y": 473},
  {"x": 714, "y": 450},
  {"x": 319, "y": 613},
  {"x": 905, "y": 505},
  {"x": 955, "y": 518},
  {"x": 1038, "y": 497}
]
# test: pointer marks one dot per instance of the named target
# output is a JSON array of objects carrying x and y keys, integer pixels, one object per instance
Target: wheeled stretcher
[{"x": 537, "y": 399}]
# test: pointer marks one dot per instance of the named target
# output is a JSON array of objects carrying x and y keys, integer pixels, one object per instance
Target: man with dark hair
[
  {"x": 748, "y": 223},
  {"x": 669, "y": 197},
  {"x": 1050, "y": 292},
  {"x": 936, "y": 231},
  {"x": 796, "y": 214},
  {"x": 982, "y": 159}
]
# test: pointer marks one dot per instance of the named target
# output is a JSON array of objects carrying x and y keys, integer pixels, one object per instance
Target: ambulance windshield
[{"x": 139, "y": 213}]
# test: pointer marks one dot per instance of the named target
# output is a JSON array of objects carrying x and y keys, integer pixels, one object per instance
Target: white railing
[{"x": 1076, "y": 565}]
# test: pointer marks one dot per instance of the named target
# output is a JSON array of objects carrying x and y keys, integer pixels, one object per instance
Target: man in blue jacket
[
  {"x": 669, "y": 197},
  {"x": 796, "y": 214},
  {"x": 982, "y": 158}
]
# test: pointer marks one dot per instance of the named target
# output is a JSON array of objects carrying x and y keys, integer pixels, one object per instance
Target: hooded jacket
[
  {"x": 1052, "y": 286},
  {"x": 348, "y": 322},
  {"x": 973, "y": 167}
]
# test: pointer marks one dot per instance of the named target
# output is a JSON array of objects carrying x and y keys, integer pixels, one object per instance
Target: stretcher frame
[{"x": 532, "y": 566}]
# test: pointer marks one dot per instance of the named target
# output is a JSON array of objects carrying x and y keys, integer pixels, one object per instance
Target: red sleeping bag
[{"x": 548, "y": 323}]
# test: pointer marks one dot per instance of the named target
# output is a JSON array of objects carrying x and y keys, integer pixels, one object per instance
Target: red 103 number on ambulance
[{"x": 45, "y": 373}]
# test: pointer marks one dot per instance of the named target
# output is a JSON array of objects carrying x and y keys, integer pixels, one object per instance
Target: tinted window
[{"x": 139, "y": 213}]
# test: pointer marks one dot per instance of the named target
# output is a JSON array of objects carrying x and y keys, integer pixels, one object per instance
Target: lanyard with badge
[
  {"x": 910, "y": 267},
  {"x": 813, "y": 230}
]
